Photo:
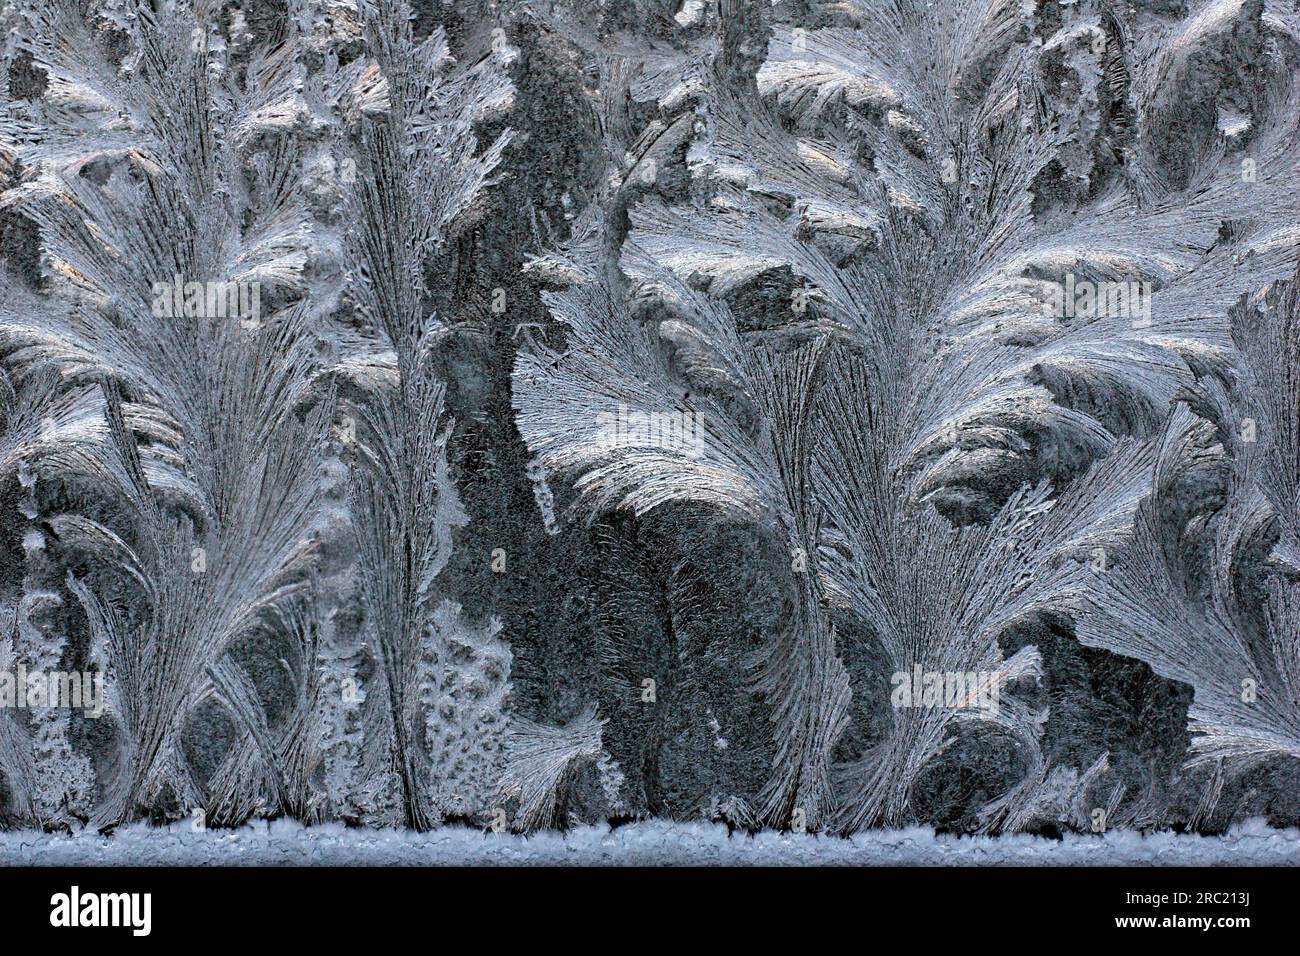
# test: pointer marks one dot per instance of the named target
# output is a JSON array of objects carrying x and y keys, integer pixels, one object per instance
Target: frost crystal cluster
[{"x": 813, "y": 416}]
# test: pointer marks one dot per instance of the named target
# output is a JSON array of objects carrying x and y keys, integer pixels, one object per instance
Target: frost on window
[{"x": 812, "y": 417}]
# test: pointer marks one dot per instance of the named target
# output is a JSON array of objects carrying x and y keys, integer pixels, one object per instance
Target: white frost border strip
[{"x": 1252, "y": 843}]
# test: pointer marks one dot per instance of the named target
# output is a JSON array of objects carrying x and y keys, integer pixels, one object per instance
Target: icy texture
[
  {"x": 641, "y": 844},
  {"x": 623, "y": 402}
]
